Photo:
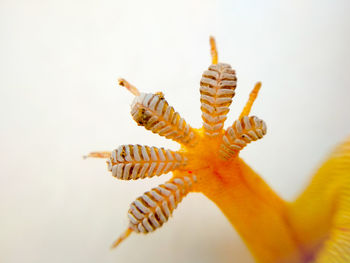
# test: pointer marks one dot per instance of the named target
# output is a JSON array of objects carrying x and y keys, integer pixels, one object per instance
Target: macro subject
[{"x": 313, "y": 228}]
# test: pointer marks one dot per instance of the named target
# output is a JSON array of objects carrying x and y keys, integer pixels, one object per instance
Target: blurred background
[{"x": 59, "y": 99}]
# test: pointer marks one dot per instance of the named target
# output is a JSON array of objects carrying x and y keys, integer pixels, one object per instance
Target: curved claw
[
  {"x": 103, "y": 155},
  {"x": 122, "y": 237},
  {"x": 124, "y": 83},
  {"x": 252, "y": 96},
  {"x": 213, "y": 50}
]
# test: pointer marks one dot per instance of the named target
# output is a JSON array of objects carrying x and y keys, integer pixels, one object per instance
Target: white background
[{"x": 59, "y": 64}]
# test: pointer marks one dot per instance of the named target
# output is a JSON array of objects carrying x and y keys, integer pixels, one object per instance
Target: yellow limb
[
  {"x": 98, "y": 155},
  {"x": 122, "y": 82},
  {"x": 252, "y": 97},
  {"x": 256, "y": 212},
  {"x": 213, "y": 50},
  {"x": 321, "y": 213},
  {"x": 122, "y": 238}
]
